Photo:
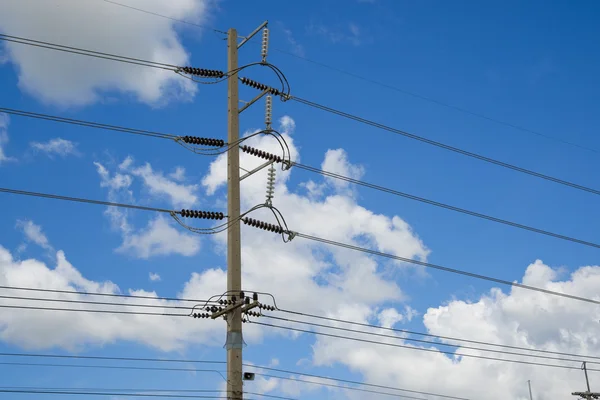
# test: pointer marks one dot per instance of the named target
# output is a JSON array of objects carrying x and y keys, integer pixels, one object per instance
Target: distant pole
[
  {"x": 589, "y": 395},
  {"x": 530, "y": 395}
]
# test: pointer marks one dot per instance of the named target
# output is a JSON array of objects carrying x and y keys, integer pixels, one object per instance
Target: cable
[
  {"x": 442, "y": 205},
  {"x": 54, "y": 365},
  {"x": 164, "y": 16},
  {"x": 427, "y": 341},
  {"x": 88, "y": 124},
  {"x": 106, "y": 358},
  {"x": 437, "y": 336},
  {"x": 95, "y": 302},
  {"x": 438, "y": 102},
  {"x": 90, "y": 53},
  {"x": 128, "y": 296},
  {"x": 444, "y": 146},
  {"x": 81, "y": 200},
  {"x": 307, "y": 168},
  {"x": 446, "y": 269},
  {"x": 177, "y": 396},
  {"x": 372, "y": 81},
  {"x": 92, "y": 311},
  {"x": 100, "y": 392},
  {"x": 358, "y": 389},
  {"x": 421, "y": 348}
]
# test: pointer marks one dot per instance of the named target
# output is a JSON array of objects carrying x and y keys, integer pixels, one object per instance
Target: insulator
[
  {"x": 260, "y": 86},
  {"x": 201, "y": 214},
  {"x": 261, "y": 154},
  {"x": 195, "y": 315},
  {"x": 204, "y": 141},
  {"x": 265, "y": 44},
  {"x": 255, "y": 297},
  {"x": 213, "y": 309},
  {"x": 242, "y": 295},
  {"x": 247, "y": 300},
  {"x": 268, "y": 111},
  {"x": 210, "y": 73}
]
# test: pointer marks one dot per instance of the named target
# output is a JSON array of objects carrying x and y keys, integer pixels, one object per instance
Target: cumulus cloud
[
  {"x": 56, "y": 146},
  {"x": 4, "y": 121},
  {"x": 159, "y": 237},
  {"x": 516, "y": 318},
  {"x": 80, "y": 80}
]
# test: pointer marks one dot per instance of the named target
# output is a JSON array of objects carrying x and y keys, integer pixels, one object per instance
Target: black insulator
[
  {"x": 247, "y": 300},
  {"x": 220, "y": 309},
  {"x": 260, "y": 306},
  {"x": 213, "y": 309},
  {"x": 195, "y": 315},
  {"x": 242, "y": 295},
  {"x": 233, "y": 299},
  {"x": 220, "y": 301},
  {"x": 255, "y": 297}
]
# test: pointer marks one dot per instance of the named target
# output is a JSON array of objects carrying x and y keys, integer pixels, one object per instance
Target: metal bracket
[
  {"x": 250, "y": 306},
  {"x": 255, "y": 170},
  {"x": 227, "y": 310},
  {"x": 254, "y": 100},
  {"x": 254, "y": 32}
]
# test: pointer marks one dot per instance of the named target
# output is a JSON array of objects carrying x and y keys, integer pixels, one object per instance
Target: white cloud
[
  {"x": 389, "y": 317},
  {"x": 350, "y": 33},
  {"x": 296, "y": 47},
  {"x": 154, "y": 277},
  {"x": 159, "y": 238},
  {"x": 4, "y": 121},
  {"x": 81, "y": 80},
  {"x": 336, "y": 161},
  {"x": 33, "y": 233},
  {"x": 180, "y": 195},
  {"x": 178, "y": 174},
  {"x": 56, "y": 146}
]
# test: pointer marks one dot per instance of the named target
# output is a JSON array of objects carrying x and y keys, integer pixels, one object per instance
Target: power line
[
  {"x": 167, "y": 17},
  {"x": 454, "y": 339},
  {"x": 438, "y": 102},
  {"x": 143, "y": 391},
  {"x": 88, "y": 124},
  {"x": 314, "y": 170},
  {"x": 91, "y": 311},
  {"x": 95, "y": 302},
  {"x": 420, "y": 348},
  {"x": 127, "y": 296},
  {"x": 444, "y": 146},
  {"x": 167, "y": 369},
  {"x": 289, "y": 378},
  {"x": 90, "y": 53},
  {"x": 313, "y": 324},
  {"x": 446, "y": 269},
  {"x": 375, "y": 82},
  {"x": 339, "y": 244},
  {"x": 177, "y": 396},
  {"x": 82, "y": 200},
  {"x": 442, "y": 205},
  {"x": 323, "y": 108}
]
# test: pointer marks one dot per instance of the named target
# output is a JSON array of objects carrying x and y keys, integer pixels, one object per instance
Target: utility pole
[
  {"x": 234, "y": 251},
  {"x": 588, "y": 395},
  {"x": 530, "y": 395},
  {"x": 238, "y": 302}
]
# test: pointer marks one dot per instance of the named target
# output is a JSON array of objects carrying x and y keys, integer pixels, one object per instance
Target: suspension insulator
[
  {"x": 265, "y": 44},
  {"x": 268, "y": 111},
  {"x": 201, "y": 214},
  {"x": 207, "y": 73},
  {"x": 203, "y": 141},
  {"x": 262, "y": 225},
  {"x": 260, "y": 86},
  {"x": 261, "y": 154}
]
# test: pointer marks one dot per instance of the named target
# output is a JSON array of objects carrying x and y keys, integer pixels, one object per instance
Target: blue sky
[{"x": 529, "y": 64}]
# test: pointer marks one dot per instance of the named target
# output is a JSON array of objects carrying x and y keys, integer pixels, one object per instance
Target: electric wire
[
  {"x": 446, "y": 269},
  {"x": 306, "y": 168},
  {"x": 338, "y": 244},
  {"x": 128, "y": 296},
  {"x": 18, "y": 307},
  {"x": 442, "y": 205},
  {"x": 440, "y": 337},
  {"x": 381, "y": 84},
  {"x": 512, "y": 353},
  {"x": 49, "y": 392},
  {"x": 100, "y": 391},
  {"x": 429, "y": 350},
  {"x": 70, "y": 301},
  {"x": 82, "y": 200},
  {"x": 90, "y": 53},
  {"x": 168, "y": 369},
  {"x": 444, "y": 146}
]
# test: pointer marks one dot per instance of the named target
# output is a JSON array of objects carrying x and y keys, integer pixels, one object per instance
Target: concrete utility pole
[
  {"x": 530, "y": 395},
  {"x": 588, "y": 395},
  {"x": 234, "y": 256},
  {"x": 238, "y": 302}
]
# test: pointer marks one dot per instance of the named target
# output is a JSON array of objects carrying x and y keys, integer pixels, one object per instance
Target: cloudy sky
[{"x": 512, "y": 81}]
